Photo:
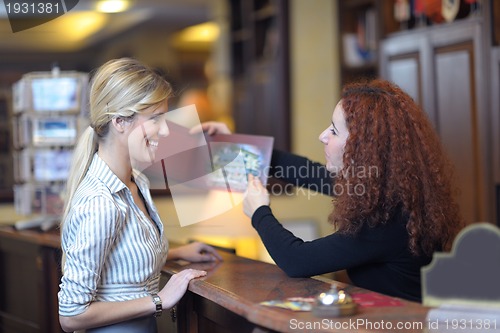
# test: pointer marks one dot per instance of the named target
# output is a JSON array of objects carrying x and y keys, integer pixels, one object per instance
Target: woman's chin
[{"x": 144, "y": 161}]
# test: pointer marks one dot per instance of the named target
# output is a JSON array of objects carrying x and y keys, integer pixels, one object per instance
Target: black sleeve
[
  {"x": 300, "y": 171},
  {"x": 323, "y": 255}
]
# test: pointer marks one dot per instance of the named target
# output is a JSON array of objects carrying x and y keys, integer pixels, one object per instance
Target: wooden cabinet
[
  {"x": 445, "y": 69},
  {"x": 260, "y": 68},
  {"x": 29, "y": 282}
]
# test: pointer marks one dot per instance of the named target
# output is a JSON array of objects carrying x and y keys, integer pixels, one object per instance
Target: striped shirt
[{"x": 113, "y": 250}]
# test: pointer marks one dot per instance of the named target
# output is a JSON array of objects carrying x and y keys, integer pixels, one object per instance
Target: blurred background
[
  {"x": 220, "y": 55},
  {"x": 276, "y": 67}
]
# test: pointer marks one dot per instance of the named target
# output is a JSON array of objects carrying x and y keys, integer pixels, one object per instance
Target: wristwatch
[{"x": 157, "y": 301}]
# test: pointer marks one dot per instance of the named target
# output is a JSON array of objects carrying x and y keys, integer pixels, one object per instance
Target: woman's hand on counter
[
  {"x": 194, "y": 252},
  {"x": 177, "y": 285}
]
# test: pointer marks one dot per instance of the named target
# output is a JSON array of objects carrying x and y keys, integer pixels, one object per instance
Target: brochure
[{"x": 200, "y": 162}]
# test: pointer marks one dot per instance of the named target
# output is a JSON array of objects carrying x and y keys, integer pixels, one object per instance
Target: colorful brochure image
[{"x": 238, "y": 155}]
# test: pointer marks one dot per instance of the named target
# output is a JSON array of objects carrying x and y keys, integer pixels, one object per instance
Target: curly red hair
[{"x": 389, "y": 133}]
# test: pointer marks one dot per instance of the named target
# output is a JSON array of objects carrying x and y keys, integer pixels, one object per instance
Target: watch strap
[{"x": 157, "y": 302}]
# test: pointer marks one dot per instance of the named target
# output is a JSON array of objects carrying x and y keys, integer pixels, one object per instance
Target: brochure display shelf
[{"x": 49, "y": 113}]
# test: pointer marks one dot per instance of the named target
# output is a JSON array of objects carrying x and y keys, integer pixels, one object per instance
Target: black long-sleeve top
[{"x": 376, "y": 258}]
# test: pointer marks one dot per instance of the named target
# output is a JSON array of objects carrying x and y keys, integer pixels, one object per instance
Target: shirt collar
[{"x": 101, "y": 171}]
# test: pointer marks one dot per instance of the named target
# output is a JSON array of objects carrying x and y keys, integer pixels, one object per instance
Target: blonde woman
[{"x": 112, "y": 237}]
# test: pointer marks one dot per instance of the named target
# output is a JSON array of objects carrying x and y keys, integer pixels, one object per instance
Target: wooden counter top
[
  {"x": 239, "y": 285},
  {"x": 49, "y": 238}
]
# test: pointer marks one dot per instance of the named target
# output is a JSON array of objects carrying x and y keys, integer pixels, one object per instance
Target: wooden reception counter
[
  {"x": 226, "y": 300},
  {"x": 29, "y": 281}
]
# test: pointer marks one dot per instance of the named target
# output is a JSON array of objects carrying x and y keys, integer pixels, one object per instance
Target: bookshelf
[{"x": 362, "y": 24}]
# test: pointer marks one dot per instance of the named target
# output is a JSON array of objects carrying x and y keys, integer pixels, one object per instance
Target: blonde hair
[{"x": 119, "y": 88}]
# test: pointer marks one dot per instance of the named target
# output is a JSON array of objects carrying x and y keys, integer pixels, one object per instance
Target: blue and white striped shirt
[{"x": 113, "y": 251}]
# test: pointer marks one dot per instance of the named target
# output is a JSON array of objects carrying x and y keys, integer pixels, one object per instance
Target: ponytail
[{"x": 82, "y": 156}]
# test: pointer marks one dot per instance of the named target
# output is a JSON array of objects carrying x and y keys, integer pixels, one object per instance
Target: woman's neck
[{"x": 118, "y": 162}]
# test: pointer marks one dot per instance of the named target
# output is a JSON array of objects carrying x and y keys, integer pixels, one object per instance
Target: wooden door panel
[
  {"x": 457, "y": 122},
  {"x": 405, "y": 72}
]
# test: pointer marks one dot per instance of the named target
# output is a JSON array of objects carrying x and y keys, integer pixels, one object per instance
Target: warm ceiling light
[
  {"x": 80, "y": 25},
  {"x": 205, "y": 32},
  {"x": 112, "y": 6}
]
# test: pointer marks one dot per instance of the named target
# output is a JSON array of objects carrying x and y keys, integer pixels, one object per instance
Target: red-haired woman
[{"x": 394, "y": 202}]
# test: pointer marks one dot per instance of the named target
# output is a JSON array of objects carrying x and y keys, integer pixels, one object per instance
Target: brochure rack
[{"x": 49, "y": 113}]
